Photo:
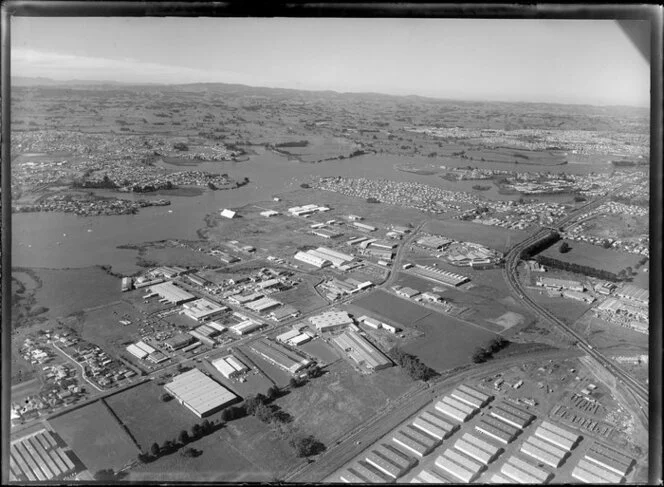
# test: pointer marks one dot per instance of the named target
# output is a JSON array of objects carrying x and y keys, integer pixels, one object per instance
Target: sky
[{"x": 556, "y": 61}]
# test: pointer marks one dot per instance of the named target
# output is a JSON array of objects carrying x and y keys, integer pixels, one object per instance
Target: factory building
[
  {"x": 202, "y": 338},
  {"x": 363, "y": 227},
  {"x": 474, "y": 452},
  {"x": 553, "y": 283},
  {"x": 216, "y": 326},
  {"x": 592, "y": 473},
  {"x": 382, "y": 244},
  {"x": 609, "y": 458},
  {"x": 485, "y": 398},
  {"x": 497, "y": 430},
  {"x": 441, "y": 276},
  {"x": 269, "y": 213},
  {"x": 326, "y": 233},
  {"x": 202, "y": 309},
  {"x": 313, "y": 260},
  {"x": 524, "y": 472},
  {"x": 512, "y": 415},
  {"x": 330, "y": 254},
  {"x": 452, "y": 412},
  {"x": 460, "y": 466},
  {"x": 435, "y": 424},
  {"x": 467, "y": 398},
  {"x": 370, "y": 322},
  {"x": 410, "y": 444},
  {"x": 283, "y": 313},
  {"x": 230, "y": 366},
  {"x": 356, "y": 240},
  {"x": 558, "y": 453},
  {"x": 226, "y": 213},
  {"x": 390, "y": 460},
  {"x": 497, "y": 478},
  {"x": 171, "y": 293},
  {"x": 332, "y": 320},
  {"x": 428, "y": 477},
  {"x": 245, "y": 327},
  {"x": 263, "y": 304},
  {"x": 633, "y": 293},
  {"x": 557, "y": 436},
  {"x": 126, "y": 284},
  {"x": 245, "y": 298},
  {"x": 200, "y": 394},
  {"x": 361, "y": 351},
  {"x": 136, "y": 352},
  {"x": 578, "y": 296},
  {"x": 369, "y": 473},
  {"x": 284, "y": 337},
  {"x": 37, "y": 457},
  {"x": 178, "y": 341},
  {"x": 434, "y": 242},
  {"x": 541, "y": 455},
  {"x": 407, "y": 292},
  {"x": 470, "y": 410},
  {"x": 280, "y": 356},
  {"x": 482, "y": 444}
]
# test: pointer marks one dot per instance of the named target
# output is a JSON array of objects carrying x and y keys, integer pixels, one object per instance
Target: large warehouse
[
  {"x": 331, "y": 320},
  {"x": 171, "y": 293},
  {"x": 200, "y": 394},
  {"x": 361, "y": 351},
  {"x": 37, "y": 457},
  {"x": 201, "y": 309}
]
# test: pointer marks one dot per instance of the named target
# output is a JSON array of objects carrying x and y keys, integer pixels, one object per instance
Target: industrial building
[
  {"x": 280, "y": 356},
  {"x": 467, "y": 398},
  {"x": 492, "y": 450},
  {"x": 325, "y": 233},
  {"x": 578, "y": 296},
  {"x": 558, "y": 454},
  {"x": 435, "y": 425},
  {"x": 263, "y": 304},
  {"x": 633, "y": 293},
  {"x": 382, "y": 244},
  {"x": 411, "y": 444},
  {"x": 171, "y": 293},
  {"x": 428, "y": 477},
  {"x": 557, "y": 436},
  {"x": 553, "y": 283},
  {"x": 485, "y": 398},
  {"x": 364, "y": 227},
  {"x": 370, "y": 322},
  {"x": 230, "y": 366},
  {"x": 407, "y": 292},
  {"x": 202, "y": 309},
  {"x": 332, "y": 320},
  {"x": 284, "y": 337},
  {"x": 469, "y": 410},
  {"x": 541, "y": 454},
  {"x": 460, "y": 466},
  {"x": 482, "y": 456},
  {"x": 37, "y": 457},
  {"x": 591, "y": 473},
  {"x": 136, "y": 352},
  {"x": 245, "y": 327},
  {"x": 126, "y": 284},
  {"x": 441, "y": 276},
  {"x": 361, "y": 351},
  {"x": 434, "y": 242},
  {"x": 512, "y": 415},
  {"x": 200, "y": 394},
  {"x": 283, "y": 313},
  {"x": 454, "y": 413},
  {"x": 523, "y": 472},
  {"x": 609, "y": 458},
  {"x": 179, "y": 341},
  {"x": 313, "y": 260},
  {"x": 226, "y": 213},
  {"x": 499, "y": 431},
  {"x": 356, "y": 240},
  {"x": 364, "y": 473},
  {"x": 390, "y": 461},
  {"x": 337, "y": 258},
  {"x": 269, "y": 213}
]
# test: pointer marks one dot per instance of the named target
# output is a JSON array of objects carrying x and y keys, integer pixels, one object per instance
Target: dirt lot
[
  {"x": 343, "y": 399},
  {"x": 96, "y": 437}
]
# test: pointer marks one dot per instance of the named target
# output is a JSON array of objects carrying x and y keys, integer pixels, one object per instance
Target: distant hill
[{"x": 41, "y": 81}]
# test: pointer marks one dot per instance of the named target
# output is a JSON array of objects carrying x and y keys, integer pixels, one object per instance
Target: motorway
[{"x": 634, "y": 389}]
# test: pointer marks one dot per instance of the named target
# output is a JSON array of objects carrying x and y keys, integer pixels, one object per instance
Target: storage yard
[{"x": 471, "y": 435}]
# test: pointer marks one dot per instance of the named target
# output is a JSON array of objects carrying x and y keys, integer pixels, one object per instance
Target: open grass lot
[
  {"x": 594, "y": 256},
  {"x": 607, "y": 336},
  {"x": 102, "y": 325},
  {"x": 324, "y": 353},
  {"x": 149, "y": 418},
  {"x": 446, "y": 342},
  {"x": 492, "y": 237},
  {"x": 96, "y": 437},
  {"x": 343, "y": 399},
  {"x": 303, "y": 297},
  {"x": 176, "y": 256},
  {"x": 244, "y": 450},
  {"x": 69, "y": 290}
]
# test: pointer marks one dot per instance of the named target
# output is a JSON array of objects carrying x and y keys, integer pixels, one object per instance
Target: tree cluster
[
  {"x": 296, "y": 382},
  {"x": 371, "y": 199},
  {"x": 169, "y": 446},
  {"x": 482, "y": 354},
  {"x": 580, "y": 269},
  {"x": 181, "y": 146},
  {"x": 411, "y": 364},
  {"x": 306, "y": 446},
  {"x": 564, "y": 248},
  {"x": 543, "y": 244}
]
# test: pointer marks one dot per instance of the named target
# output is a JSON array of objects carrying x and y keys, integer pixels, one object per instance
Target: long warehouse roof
[{"x": 199, "y": 392}]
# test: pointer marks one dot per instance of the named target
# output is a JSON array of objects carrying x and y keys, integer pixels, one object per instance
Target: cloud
[{"x": 33, "y": 63}]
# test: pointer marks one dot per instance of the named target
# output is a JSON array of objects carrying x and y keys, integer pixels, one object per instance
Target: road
[{"x": 632, "y": 387}]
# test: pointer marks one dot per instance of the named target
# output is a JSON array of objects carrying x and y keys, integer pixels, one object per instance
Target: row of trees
[
  {"x": 482, "y": 354},
  {"x": 169, "y": 446},
  {"x": 411, "y": 364},
  {"x": 581, "y": 269},
  {"x": 543, "y": 244}
]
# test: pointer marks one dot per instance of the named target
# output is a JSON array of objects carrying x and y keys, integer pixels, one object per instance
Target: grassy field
[
  {"x": 178, "y": 257},
  {"x": 96, "y": 437},
  {"x": 244, "y": 450},
  {"x": 85, "y": 288},
  {"x": 343, "y": 399},
  {"x": 148, "y": 418},
  {"x": 492, "y": 237},
  {"x": 594, "y": 256},
  {"x": 608, "y": 336},
  {"x": 303, "y": 297}
]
